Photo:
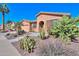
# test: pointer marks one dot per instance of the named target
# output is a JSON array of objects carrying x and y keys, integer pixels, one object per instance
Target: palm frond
[{"x": 4, "y": 8}]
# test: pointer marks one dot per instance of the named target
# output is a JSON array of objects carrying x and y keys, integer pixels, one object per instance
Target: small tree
[
  {"x": 18, "y": 26},
  {"x": 9, "y": 24}
]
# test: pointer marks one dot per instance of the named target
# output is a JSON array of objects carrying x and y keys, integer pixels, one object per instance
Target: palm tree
[{"x": 3, "y": 9}]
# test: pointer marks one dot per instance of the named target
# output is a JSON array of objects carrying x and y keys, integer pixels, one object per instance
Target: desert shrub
[
  {"x": 10, "y": 26},
  {"x": 42, "y": 34},
  {"x": 59, "y": 50},
  {"x": 65, "y": 28},
  {"x": 27, "y": 44}
]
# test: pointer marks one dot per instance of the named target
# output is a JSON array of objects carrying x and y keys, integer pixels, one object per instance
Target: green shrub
[
  {"x": 65, "y": 28},
  {"x": 27, "y": 43},
  {"x": 42, "y": 34}
]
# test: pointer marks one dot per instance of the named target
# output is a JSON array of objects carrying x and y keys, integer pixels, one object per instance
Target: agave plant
[
  {"x": 27, "y": 44},
  {"x": 65, "y": 28}
]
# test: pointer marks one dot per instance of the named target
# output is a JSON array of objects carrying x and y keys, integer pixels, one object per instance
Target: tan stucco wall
[
  {"x": 46, "y": 18},
  {"x": 32, "y": 26},
  {"x": 26, "y": 26}
]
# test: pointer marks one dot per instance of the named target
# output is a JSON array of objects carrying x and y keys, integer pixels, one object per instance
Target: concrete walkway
[
  {"x": 34, "y": 34},
  {"x": 6, "y": 49}
]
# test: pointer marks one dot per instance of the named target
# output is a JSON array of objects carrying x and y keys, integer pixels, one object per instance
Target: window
[
  {"x": 34, "y": 25},
  {"x": 51, "y": 22}
]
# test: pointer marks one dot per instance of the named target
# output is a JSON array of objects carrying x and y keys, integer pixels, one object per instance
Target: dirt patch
[{"x": 50, "y": 47}]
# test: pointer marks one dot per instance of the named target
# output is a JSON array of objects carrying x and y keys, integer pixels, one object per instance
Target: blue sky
[{"x": 28, "y": 11}]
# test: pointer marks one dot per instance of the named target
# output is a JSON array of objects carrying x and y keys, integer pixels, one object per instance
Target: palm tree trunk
[{"x": 3, "y": 24}]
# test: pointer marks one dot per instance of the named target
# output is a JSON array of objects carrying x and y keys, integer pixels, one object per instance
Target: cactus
[
  {"x": 27, "y": 43},
  {"x": 42, "y": 34}
]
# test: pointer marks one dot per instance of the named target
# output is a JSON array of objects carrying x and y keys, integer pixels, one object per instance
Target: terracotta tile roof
[
  {"x": 53, "y": 13},
  {"x": 25, "y": 20},
  {"x": 34, "y": 21}
]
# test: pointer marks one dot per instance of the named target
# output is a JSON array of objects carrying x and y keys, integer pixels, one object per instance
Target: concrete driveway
[{"x": 6, "y": 48}]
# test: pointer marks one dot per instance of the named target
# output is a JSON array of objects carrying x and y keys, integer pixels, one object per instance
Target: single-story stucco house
[{"x": 43, "y": 20}]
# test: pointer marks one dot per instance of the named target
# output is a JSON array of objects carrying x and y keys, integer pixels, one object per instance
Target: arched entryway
[{"x": 41, "y": 25}]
